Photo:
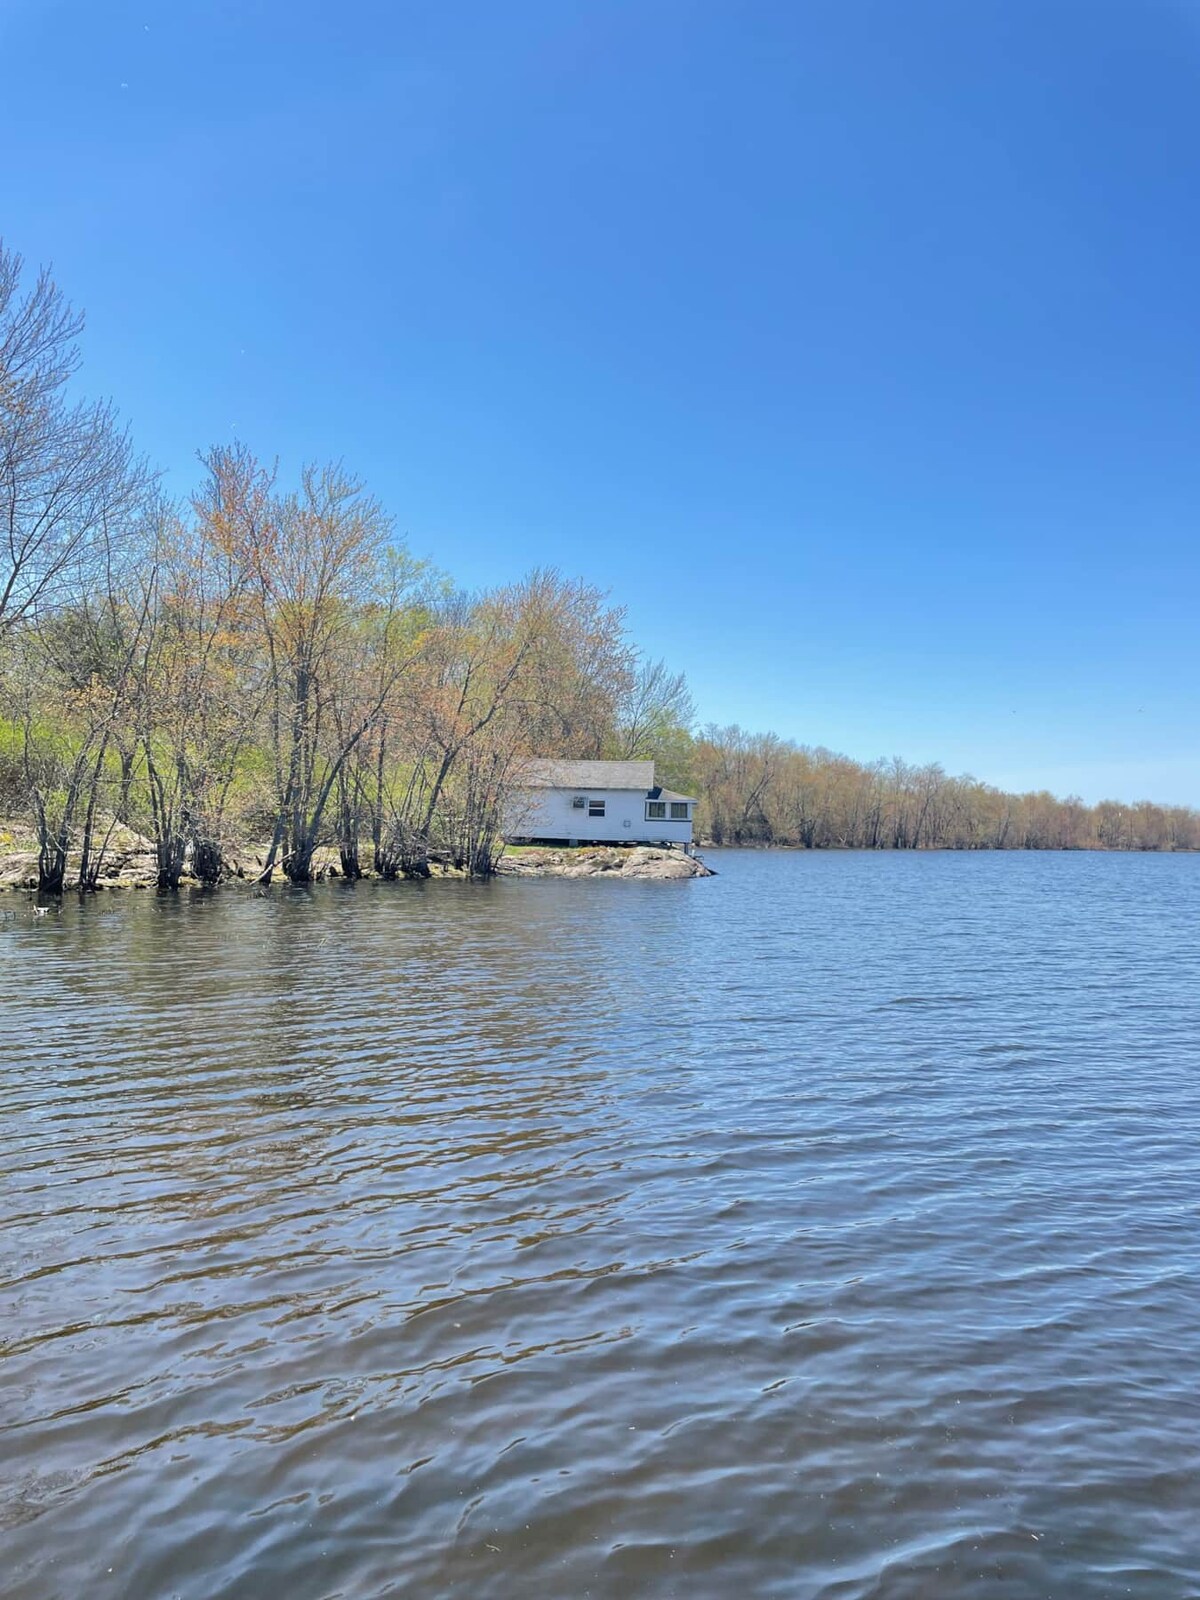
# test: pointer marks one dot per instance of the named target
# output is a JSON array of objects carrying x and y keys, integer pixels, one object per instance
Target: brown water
[{"x": 828, "y": 1228}]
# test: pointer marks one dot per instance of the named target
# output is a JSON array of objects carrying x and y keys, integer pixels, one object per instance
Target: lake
[{"x": 824, "y": 1229}]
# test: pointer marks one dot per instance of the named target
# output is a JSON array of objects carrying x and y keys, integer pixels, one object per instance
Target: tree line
[
  {"x": 266, "y": 662},
  {"x": 761, "y": 790}
]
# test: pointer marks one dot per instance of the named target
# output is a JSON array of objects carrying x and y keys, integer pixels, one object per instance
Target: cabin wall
[{"x": 549, "y": 814}]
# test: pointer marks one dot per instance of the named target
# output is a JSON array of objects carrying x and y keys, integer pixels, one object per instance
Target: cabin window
[
  {"x": 678, "y": 810},
  {"x": 656, "y": 810},
  {"x": 595, "y": 808}
]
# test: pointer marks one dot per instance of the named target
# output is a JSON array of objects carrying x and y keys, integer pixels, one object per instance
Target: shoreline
[{"x": 130, "y": 864}]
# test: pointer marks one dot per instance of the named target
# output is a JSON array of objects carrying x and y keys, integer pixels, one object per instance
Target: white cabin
[{"x": 597, "y": 802}]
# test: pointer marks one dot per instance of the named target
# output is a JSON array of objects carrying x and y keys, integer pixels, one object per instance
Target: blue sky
[{"x": 852, "y": 346}]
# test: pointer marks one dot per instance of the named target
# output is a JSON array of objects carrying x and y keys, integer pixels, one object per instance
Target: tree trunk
[
  {"x": 124, "y": 803},
  {"x": 277, "y": 839},
  {"x": 377, "y": 808},
  {"x": 89, "y": 870},
  {"x": 52, "y": 867},
  {"x": 297, "y": 863},
  {"x": 54, "y": 841},
  {"x": 207, "y": 859}
]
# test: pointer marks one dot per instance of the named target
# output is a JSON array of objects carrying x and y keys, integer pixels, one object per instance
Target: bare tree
[
  {"x": 326, "y": 590},
  {"x": 70, "y": 682},
  {"x": 198, "y": 691},
  {"x": 580, "y": 663},
  {"x": 654, "y": 707},
  {"x": 67, "y": 469}
]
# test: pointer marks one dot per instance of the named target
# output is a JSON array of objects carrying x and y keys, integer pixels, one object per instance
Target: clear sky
[{"x": 854, "y": 347}]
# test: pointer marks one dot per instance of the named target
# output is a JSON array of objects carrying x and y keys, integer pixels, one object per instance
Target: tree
[
  {"x": 326, "y": 591},
  {"x": 70, "y": 682},
  {"x": 68, "y": 476},
  {"x": 198, "y": 691},
  {"x": 579, "y": 664},
  {"x": 463, "y": 711},
  {"x": 654, "y": 718}
]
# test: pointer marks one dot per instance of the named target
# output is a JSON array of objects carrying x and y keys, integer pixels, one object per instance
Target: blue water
[{"x": 826, "y": 1228}]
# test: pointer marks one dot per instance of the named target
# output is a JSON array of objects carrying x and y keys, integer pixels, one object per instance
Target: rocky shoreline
[
  {"x": 620, "y": 861},
  {"x": 129, "y": 862}
]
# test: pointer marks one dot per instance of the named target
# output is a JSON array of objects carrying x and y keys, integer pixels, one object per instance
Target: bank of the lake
[
  {"x": 823, "y": 1228},
  {"x": 129, "y": 862}
]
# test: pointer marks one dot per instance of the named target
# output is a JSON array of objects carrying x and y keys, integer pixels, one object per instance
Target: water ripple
[{"x": 825, "y": 1229}]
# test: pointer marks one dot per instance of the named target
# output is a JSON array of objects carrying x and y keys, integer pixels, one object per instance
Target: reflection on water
[{"x": 823, "y": 1229}]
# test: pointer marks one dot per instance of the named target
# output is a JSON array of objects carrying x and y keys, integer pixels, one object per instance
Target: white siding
[{"x": 549, "y": 814}]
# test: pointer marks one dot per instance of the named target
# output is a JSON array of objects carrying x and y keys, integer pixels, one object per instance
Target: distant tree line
[
  {"x": 759, "y": 789},
  {"x": 267, "y": 663}
]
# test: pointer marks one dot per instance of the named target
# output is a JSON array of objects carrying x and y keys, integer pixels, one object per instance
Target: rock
[
  {"x": 642, "y": 861},
  {"x": 18, "y": 870},
  {"x": 648, "y": 863}
]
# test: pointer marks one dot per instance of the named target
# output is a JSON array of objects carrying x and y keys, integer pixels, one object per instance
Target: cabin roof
[{"x": 541, "y": 773}]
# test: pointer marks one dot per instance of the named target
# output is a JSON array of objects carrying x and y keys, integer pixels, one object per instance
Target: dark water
[{"x": 828, "y": 1228}]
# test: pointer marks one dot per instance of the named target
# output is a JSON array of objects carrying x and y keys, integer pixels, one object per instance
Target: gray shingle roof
[{"x": 584, "y": 775}]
